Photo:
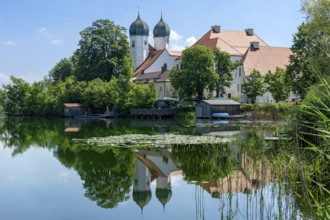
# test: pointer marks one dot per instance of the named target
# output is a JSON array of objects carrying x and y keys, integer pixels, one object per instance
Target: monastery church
[{"x": 154, "y": 63}]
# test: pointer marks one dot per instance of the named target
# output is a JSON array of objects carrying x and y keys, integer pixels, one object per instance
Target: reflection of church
[
  {"x": 151, "y": 166},
  {"x": 252, "y": 174},
  {"x": 157, "y": 165}
]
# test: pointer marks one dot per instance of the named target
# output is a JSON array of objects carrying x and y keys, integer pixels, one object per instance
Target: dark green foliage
[
  {"x": 61, "y": 70},
  {"x": 204, "y": 163},
  {"x": 102, "y": 51},
  {"x": 278, "y": 87},
  {"x": 223, "y": 67},
  {"x": 197, "y": 73},
  {"x": 254, "y": 85},
  {"x": 310, "y": 59}
]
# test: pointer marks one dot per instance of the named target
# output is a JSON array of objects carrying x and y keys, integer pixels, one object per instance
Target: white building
[
  {"x": 154, "y": 64},
  {"x": 251, "y": 52}
]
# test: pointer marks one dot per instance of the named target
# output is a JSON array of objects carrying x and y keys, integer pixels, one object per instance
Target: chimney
[
  {"x": 216, "y": 29},
  {"x": 163, "y": 69},
  {"x": 249, "y": 31},
  {"x": 255, "y": 45}
]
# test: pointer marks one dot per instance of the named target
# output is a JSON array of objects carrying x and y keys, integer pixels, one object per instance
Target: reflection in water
[
  {"x": 237, "y": 174},
  {"x": 153, "y": 165}
]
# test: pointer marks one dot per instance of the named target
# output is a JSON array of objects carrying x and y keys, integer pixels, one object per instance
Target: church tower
[
  {"x": 161, "y": 35},
  {"x": 139, "y": 32}
]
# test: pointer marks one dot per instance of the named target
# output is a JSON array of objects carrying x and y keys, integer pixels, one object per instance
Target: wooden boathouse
[{"x": 212, "y": 108}]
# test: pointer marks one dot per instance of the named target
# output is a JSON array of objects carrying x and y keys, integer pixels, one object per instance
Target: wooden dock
[{"x": 153, "y": 113}]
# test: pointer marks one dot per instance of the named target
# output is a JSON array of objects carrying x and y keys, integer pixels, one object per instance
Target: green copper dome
[
  {"x": 162, "y": 29},
  {"x": 139, "y": 27},
  {"x": 163, "y": 195}
]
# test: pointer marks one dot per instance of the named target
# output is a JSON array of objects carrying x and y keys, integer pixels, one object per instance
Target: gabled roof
[
  {"x": 153, "y": 77},
  {"x": 165, "y": 76},
  {"x": 72, "y": 105},
  {"x": 152, "y": 57},
  {"x": 221, "y": 102},
  {"x": 232, "y": 42},
  {"x": 265, "y": 59},
  {"x": 175, "y": 53}
]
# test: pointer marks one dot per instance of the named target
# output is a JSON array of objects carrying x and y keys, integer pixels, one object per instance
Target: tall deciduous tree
[
  {"x": 61, "y": 70},
  {"x": 102, "y": 50},
  {"x": 254, "y": 85},
  {"x": 223, "y": 67},
  {"x": 277, "y": 84},
  {"x": 197, "y": 73},
  {"x": 311, "y": 47}
]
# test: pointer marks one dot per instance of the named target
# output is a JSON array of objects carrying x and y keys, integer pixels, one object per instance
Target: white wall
[
  {"x": 161, "y": 43},
  {"x": 140, "y": 50},
  {"x": 165, "y": 57}
]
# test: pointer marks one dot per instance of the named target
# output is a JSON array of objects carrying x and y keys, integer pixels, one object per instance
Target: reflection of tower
[
  {"x": 163, "y": 189},
  {"x": 141, "y": 185},
  {"x": 150, "y": 165}
]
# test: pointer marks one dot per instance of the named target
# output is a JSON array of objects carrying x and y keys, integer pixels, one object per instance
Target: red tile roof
[
  {"x": 265, "y": 59},
  {"x": 152, "y": 57},
  {"x": 72, "y": 105},
  {"x": 153, "y": 77},
  {"x": 232, "y": 42}
]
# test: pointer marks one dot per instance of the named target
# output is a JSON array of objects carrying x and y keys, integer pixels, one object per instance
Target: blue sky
[{"x": 36, "y": 34}]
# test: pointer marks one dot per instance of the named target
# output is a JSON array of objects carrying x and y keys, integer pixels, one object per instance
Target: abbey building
[{"x": 154, "y": 63}]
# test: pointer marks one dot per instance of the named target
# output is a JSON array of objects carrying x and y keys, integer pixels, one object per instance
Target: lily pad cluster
[{"x": 142, "y": 140}]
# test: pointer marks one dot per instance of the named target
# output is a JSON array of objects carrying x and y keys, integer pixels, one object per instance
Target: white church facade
[{"x": 154, "y": 63}]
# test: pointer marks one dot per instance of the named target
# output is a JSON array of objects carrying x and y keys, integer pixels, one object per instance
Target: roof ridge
[{"x": 219, "y": 38}]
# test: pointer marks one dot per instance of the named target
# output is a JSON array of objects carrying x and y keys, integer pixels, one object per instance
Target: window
[
  {"x": 160, "y": 89},
  {"x": 165, "y": 66},
  {"x": 229, "y": 95},
  {"x": 239, "y": 71},
  {"x": 145, "y": 42},
  {"x": 237, "y": 87},
  {"x": 133, "y": 43}
]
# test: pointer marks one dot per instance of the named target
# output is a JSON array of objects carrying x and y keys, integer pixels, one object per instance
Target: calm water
[{"x": 45, "y": 174}]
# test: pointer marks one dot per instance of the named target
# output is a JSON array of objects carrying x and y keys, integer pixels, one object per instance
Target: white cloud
[
  {"x": 177, "y": 47},
  {"x": 175, "y": 36},
  {"x": 53, "y": 39},
  {"x": 57, "y": 42},
  {"x": 4, "y": 79},
  {"x": 11, "y": 43},
  {"x": 44, "y": 32},
  {"x": 190, "y": 41}
]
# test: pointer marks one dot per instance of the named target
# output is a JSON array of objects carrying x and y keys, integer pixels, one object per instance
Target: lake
[{"x": 138, "y": 169}]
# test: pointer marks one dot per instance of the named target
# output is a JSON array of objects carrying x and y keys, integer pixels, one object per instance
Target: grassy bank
[{"x": 267, "y": 111}]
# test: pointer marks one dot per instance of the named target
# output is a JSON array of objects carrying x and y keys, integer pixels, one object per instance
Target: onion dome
[
  {"x": 142, "y": 198},
  {"x": 163, "y": 195},
  {"x": 162, "y": 29},
  {"x": 139, "y": 27}
]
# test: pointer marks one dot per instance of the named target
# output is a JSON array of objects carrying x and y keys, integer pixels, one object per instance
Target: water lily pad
[{"x": 143, "y": 140}]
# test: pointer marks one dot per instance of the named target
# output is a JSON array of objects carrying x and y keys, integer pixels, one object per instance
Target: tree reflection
[
  {"x": 204, "y": 162},
  {"x": 107, "y": 175}
]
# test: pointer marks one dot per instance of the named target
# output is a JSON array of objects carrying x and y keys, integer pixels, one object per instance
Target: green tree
[
  {"x": 223, "y": 67},
  {"x": 197, "y": 73},
  {"x": 121, "y": 85},
  {"x": 102, "y": 51},
  {"x": 97, "y": 94},
  {"x": 16, "y": 95},
  {"x": 61, "y": 70},
  {"x": 141, "y": 96},
  {"x": 310, "y": 59},
  {"x": 254, "y": 85},
  {"x": 277, "y": 84}
]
